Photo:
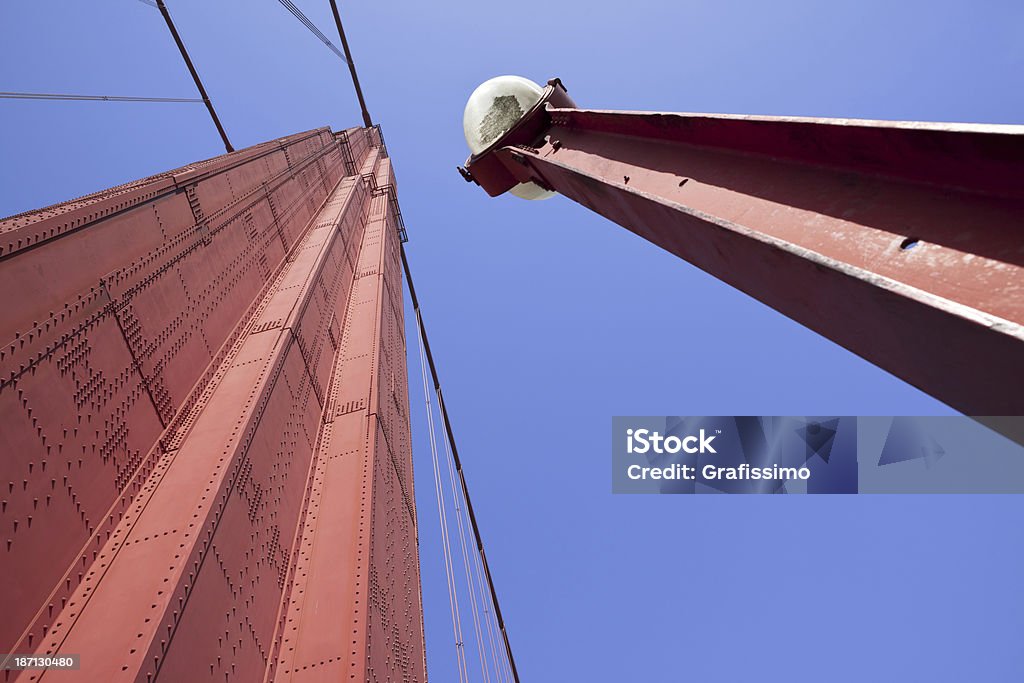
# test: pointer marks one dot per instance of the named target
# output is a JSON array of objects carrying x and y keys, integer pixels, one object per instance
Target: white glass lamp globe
[{"x": 491, "y": 111}]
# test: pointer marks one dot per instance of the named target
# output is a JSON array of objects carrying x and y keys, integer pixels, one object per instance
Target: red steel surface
[
  {"x": 813, "y": 217},
  {"x": 205, "y": 424}
]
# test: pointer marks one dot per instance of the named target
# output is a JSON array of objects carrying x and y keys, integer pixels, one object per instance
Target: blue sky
[{"x": 547, "y": 320}]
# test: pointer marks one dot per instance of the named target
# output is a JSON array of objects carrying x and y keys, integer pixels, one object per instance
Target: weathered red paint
[
  {"x": 899, "y": 241},
  {"x": 205, "y": 424}
]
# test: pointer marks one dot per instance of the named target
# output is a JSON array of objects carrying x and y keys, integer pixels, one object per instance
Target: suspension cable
[
  {"x": 500, "y": 660},
  {"x": 367, "y": 121},
  {"x": 458, "y": 464},
  {"x": 500, "y": 663},
  {"x": 449, "y": 571},
  {"x": 195, "y": 74},
  {"x": 290, "y": 6},
  {"x": 78, "y": 98},
  {"x": 474, "y": 610}
]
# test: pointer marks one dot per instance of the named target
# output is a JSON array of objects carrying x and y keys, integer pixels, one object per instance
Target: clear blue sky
[{"x": 547, "y": 320}]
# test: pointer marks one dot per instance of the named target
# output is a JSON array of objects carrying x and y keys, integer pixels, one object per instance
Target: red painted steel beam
[{"x": 899, "y": 241}]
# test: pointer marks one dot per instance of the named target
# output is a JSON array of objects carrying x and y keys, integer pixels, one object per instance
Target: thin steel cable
[
  {"x": 367, "y": 121},
  {"x": 474, "y": 609},
  {"x": 151, "y": 3},
  {"x": 97, "y": 98},
  {"x": 453, "y": 597},
  {"x": 290, "y": 6},
  {"x": 424, "y": 340},
  {"x": 195, "y": 74},
  {"x": 500, "y": 663},
  {"x": 453, "y": 594}
]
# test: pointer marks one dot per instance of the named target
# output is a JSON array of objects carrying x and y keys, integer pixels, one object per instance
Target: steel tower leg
[{"x": 204, "y": 424}]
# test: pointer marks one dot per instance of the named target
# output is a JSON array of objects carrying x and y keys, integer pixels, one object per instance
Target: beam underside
[{"x": 814, "y": 220}]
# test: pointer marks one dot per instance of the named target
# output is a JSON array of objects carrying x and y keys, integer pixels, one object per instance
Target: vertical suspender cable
[
  {"x": 500, "y": 664},
  {"x": 367, "y": 121},
  {"x": 458, "y": 466},
  {"x": 195, "y": 74},
  {"x": 449, "y": 569},
  {"x": 466, "y": 563}
]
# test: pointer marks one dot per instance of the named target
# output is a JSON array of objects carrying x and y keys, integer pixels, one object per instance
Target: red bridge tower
[{"x": 206, "y": 467}]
